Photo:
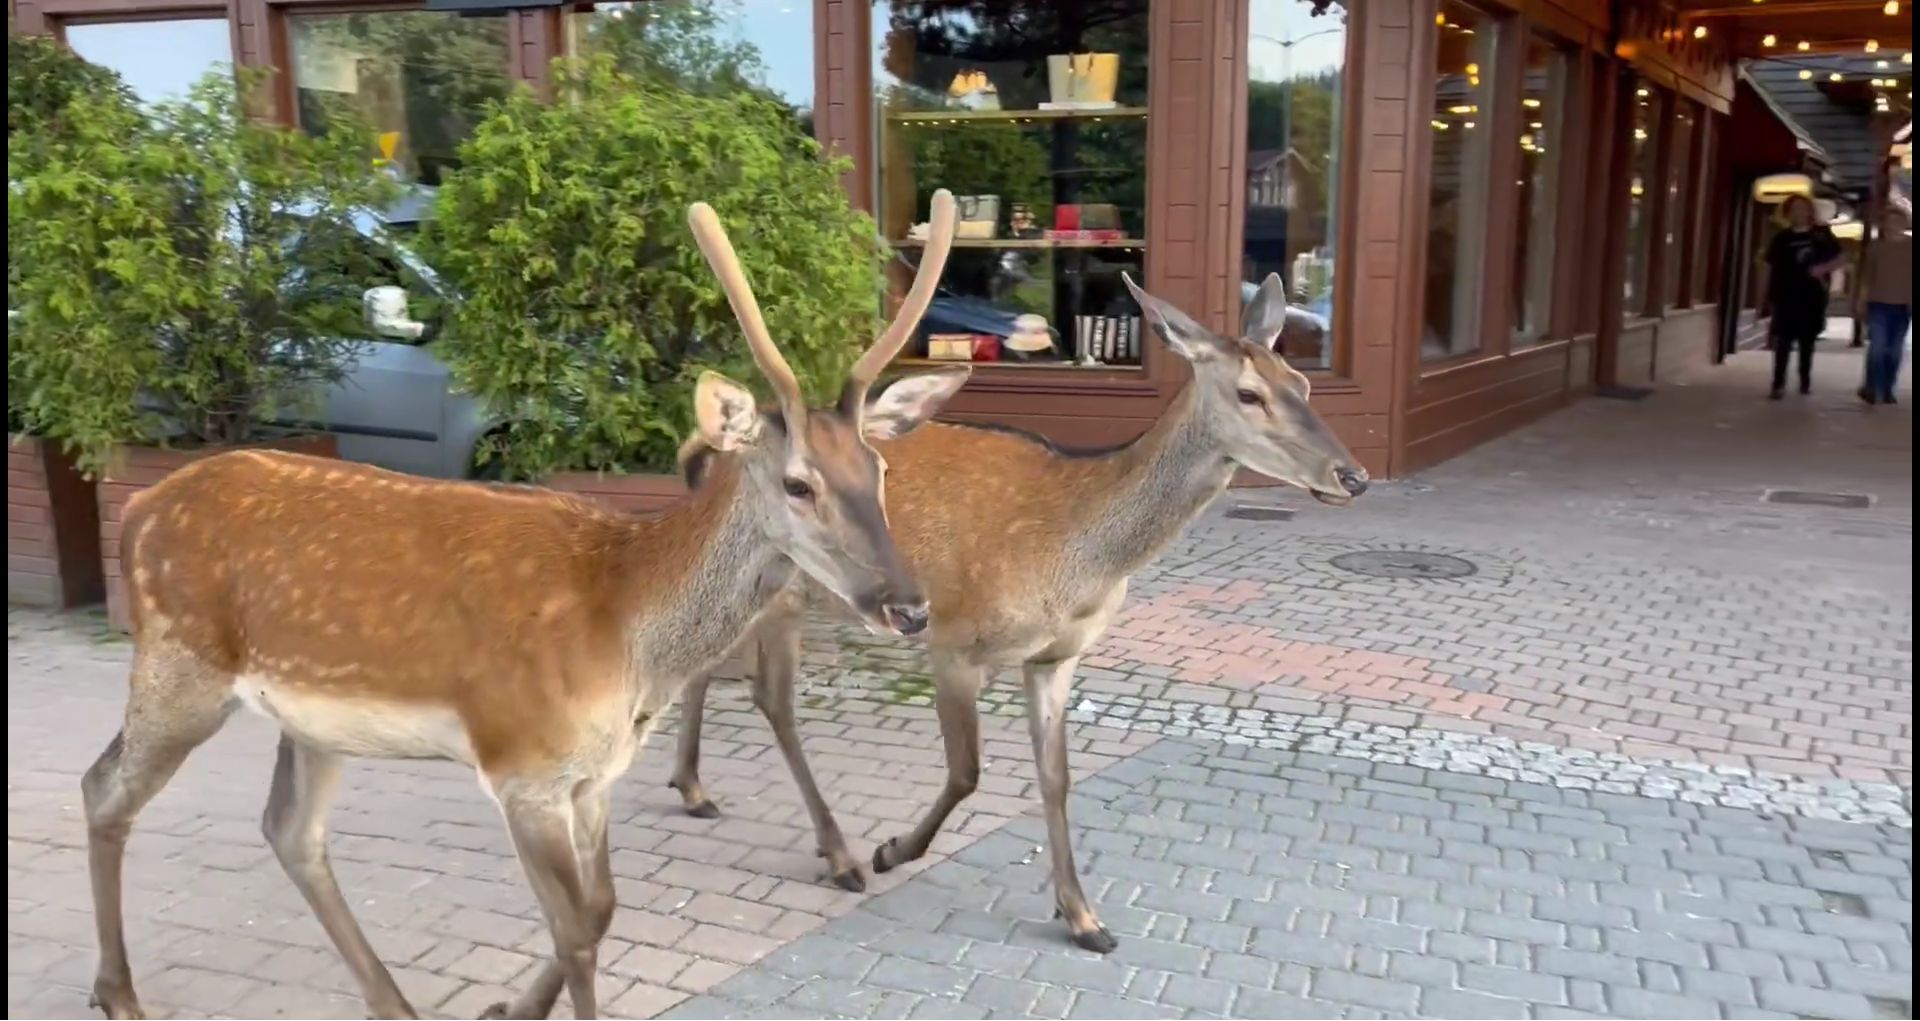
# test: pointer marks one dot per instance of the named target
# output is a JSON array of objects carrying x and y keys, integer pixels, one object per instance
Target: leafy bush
[
  {"x": 586, "y": 311},
  {"x": 43, "y": 79},
  {"x": 184, "y": 272}
]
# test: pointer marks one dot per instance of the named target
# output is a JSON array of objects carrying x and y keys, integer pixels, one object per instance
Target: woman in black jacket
[{"x": 1799, "y": 260}]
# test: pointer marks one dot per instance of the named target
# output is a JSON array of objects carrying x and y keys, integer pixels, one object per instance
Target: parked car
[{"x": 395, "y": 406}]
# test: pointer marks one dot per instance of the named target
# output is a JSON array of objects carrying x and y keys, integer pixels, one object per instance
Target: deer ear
[
  {"x": 1266, "y": 314},
  {"x": 902, "y": 407},
  {"x": 725, "y": 412},
  {"x": 1182, "y": 335}
]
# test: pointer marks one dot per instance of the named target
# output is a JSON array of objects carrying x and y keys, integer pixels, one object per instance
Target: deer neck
[
  {"x": 698, "y": 576},
  {"x": 1158, "y": 485}
]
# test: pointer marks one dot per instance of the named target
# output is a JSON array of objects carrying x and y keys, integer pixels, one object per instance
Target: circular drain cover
[{"x": 1404, "y": 564}]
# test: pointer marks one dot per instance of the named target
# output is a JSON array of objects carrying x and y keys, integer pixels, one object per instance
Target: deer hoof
[
  {"x": 116, "y": 1004},
  {"x": 1096, "y": 939},
  {"x": 851, "y": 880},
  {"x": 704, "y": 810},
  {"x": 880, "y": 863}
]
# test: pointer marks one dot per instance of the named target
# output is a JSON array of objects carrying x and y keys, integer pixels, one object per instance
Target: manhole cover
[
  {"x": 1405, "y": 564},
  {"x": 1805, "y": 498}
]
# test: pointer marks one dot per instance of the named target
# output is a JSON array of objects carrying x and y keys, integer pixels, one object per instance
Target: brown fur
[{"x": 507, "y": 604}]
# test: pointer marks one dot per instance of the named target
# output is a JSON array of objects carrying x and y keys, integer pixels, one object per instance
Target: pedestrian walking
[
  {"x": 1800, "y": 258},
  {"x": 1886, "y": 285}
]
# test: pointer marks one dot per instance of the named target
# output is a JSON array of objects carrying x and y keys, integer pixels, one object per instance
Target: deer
[
  {"x": 533, "y": 636},
  {"x": 1022, "y": 572}
]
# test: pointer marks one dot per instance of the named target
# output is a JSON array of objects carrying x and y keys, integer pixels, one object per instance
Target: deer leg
[
  {"x": 1048, "y": 685},
  {"x": 304, "y": 781},
  {"x": 596, "y": 870},
  {"x": 956, "y": 695},
  {"x": 686, "y": 770},
  {"x": 169, "y": 713},
  {"x": 543, "y": 836},
  {"x": 779, "y": 653}
]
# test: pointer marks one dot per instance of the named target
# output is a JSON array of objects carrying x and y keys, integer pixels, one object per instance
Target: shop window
[
  {"x": 1676, "y": 220},
  {"x": 707, "y": 46},
  {"x": 1296, "y": 72},
  {"x": 1462, "y": 157},
  {"x": 1543, "y": 102},
  {"x": 159, "y": 60},
  {"x": 1642, "y": 189},
  {"x": 424, "y": 79},
  {"x": 1034, "y": 114}
]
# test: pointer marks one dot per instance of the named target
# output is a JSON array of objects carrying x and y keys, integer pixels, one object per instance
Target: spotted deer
[
  {"x": 1025, "y": 549},
  {"x": 530, "y": 635}
]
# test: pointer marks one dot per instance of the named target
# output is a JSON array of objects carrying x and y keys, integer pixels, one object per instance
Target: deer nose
[
  {"x": 1353, "y": 480},
  {"x": 906, "y": 618}
]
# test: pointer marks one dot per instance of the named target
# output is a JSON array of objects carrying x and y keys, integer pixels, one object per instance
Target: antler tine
[
  {"x": 713, "y": 242},
  {"x": 933, "y": 260}
]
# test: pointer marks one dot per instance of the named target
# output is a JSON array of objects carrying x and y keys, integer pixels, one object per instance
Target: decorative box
[
  {"x": 979, "y": 216},
  {"x": 950, "y": 347},
  {"x": 1082, "y": 81}
]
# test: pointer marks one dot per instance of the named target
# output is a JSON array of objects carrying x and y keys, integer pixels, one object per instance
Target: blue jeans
[{"x": 1886, "y": 342}]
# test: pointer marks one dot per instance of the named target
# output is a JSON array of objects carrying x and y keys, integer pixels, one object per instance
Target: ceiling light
[
  {"x": 1892, "y": 8},
  {"x": 1834, "y": 77},
  {"x": 1805, "y": 74},
  {"x": 1699, "y": 31},
  {"x": 1642, "y": 93},
  {"x": 1530, "y": 103},
  {"x": 1769, "y": 40},
  {"x": 1804, "y": 46}
]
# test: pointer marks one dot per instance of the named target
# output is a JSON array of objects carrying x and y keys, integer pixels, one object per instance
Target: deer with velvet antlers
[
  {"x": 1025, "y": 550},
  {"x": 530, "y": 635}
]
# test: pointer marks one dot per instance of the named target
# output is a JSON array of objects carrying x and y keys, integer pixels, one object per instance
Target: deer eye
[
  {"x": 798, "y": 489},
  {"x": 1249, "y": 397}
]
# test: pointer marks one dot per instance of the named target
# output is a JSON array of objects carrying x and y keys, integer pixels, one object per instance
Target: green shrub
[
  {"x": 586, "y": 311},
  {"x": 184, "y": 272},
  {"x": 43, "y": 79}
]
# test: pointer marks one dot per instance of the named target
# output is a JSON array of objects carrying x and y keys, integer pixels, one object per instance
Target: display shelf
[{"x": 955, "y": 116}]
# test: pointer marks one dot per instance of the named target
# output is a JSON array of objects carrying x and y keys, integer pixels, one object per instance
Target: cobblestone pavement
[
  {"x": 1270, "y": 884},
  {"x": 1652, "y": 757}
]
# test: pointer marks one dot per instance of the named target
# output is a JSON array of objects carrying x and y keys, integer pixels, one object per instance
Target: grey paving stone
[{"x": 1812, "y": 1002}]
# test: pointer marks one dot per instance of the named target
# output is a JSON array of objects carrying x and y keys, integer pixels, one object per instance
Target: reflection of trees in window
[
  {"x": 1293, "y": 166},
  {"x": 689, "y": 45},
  {"x": 429, "y": 77}
]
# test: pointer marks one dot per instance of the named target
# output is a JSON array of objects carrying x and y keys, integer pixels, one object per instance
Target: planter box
[
  {"x": 53, "y": 528},
  {"x": 139, "y": 469},
  {"x": 634, "y": 494}
]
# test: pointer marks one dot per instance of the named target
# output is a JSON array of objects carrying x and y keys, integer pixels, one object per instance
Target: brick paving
[{"x": 1609, "y": 773}]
